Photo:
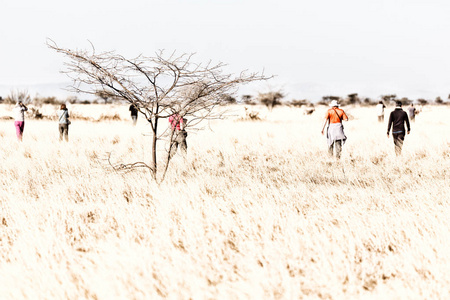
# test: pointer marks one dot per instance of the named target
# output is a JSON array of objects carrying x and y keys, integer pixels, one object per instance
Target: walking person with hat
[
  {"x": 397, "y": 120},
  {"x": 335, "y": 130}
]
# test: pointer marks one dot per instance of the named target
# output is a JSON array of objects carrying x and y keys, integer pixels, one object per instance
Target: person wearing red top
[
  {"x": 335, "y": 130},
  {"x": 178, "y": 134}
]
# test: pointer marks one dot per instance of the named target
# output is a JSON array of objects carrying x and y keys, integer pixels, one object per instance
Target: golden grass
[{"x": 256, "y": 210}]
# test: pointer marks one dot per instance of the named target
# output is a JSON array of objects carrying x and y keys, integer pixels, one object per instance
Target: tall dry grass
[{"x": 256, "y": 210}]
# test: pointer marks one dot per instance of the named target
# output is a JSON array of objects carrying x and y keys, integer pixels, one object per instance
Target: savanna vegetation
[{"x": 255, "y": 210}]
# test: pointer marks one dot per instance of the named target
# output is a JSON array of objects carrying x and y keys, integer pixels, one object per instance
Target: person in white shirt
[
  {"x": 19, "y": 117},
  {"x": 63, "y": 122},
  {"x": 380, "y": 111}
]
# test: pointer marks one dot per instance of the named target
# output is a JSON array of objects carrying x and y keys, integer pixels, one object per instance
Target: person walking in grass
[
  {"x": 19, "y": 117},
  {"x": 335, "y": 130},
  {"x": 380, "y": 111},
  {"x": 178, "y": 134},
  {"x": 134, "y": 113},
  {"x": 63, "y": 120},
  {"x": 412, "y": 112},
  {"x": 397, "y": 120}
]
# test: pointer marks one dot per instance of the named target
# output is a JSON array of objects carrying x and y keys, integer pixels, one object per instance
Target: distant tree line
[
  {"x": 276, "y": 98},
  {"x": 269, "y": 99}
]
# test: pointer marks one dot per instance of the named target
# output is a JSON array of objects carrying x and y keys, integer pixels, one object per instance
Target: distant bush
[
  {"x": 271, "y": 99},
  {"x": 248, "y": 100},
  {"x": 229, "y": 100},
  {"x": 72, "y": 99},
  {"x": 327, "y": 99},
  {"x": 34, "y": 113},
  {"x": 351, "y": 99},
  {"x": 299, "y": 103},
  {"x": 16, "y": 96},
  {"x": 39, "y": 101},
  {"x": 115, "y": 117},
  {"x": 422, "y": 101},
  {"x": 250, "y": 115}
]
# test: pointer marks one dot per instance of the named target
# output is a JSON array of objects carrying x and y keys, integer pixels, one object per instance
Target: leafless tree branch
[{"x": 159, "y": 86}]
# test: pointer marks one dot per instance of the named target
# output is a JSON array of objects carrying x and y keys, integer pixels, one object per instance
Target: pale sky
[{"x": 316, "y": 48}]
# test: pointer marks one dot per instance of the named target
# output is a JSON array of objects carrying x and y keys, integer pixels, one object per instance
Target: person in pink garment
[
  {"x": 178, "y": 134},
  {"x": 19, "y": 119}
]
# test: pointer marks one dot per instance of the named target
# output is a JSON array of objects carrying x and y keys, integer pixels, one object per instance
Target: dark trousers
[
  {"x": 64, "y": 132},
  {"x": 134, "y": 118},
  {"x": 338, "y": 146},
  {"x": 398, "y": 142},
  {"x": 179, "y": 140}
]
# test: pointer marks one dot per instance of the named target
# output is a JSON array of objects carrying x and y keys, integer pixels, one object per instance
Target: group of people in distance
[
  {"x": 334, "y": 117},
  {"x": 397, "y": 120},
  {"x": 19, "y": 120}
]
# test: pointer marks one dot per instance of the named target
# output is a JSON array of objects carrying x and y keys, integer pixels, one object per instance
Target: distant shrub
[
  {"x": 228, "y": 99},
  {"x": 299, "y": 103},
  {"x": 115, "y": 117},
  {"x": 248, "y": 100},
  {"x": 39, "y": 101},
  {"x": 250, "y": 115},
  {"x": 271, "y": 99},
  {"x": 369, "y": 102},
  {"x": 327, "y": 99},
  {"x": 422, "y": 101},
  {"x": 16, "y": 96},
  {"x": 351, "y": 99},
  {"x": 72, "y": 99},
  {"x": 34, "y": 113}
]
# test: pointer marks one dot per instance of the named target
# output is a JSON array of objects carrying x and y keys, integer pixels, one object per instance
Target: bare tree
[
  {"x": 18, "y": 95},
  {"x": 103, "y": 95},
  {"x": 159, "y": 86}
]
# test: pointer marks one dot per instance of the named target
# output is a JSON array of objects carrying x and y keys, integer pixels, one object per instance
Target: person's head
[
  {"x": 412, "y": 105},
  {"x": 334, "y": 103},
  {"x": 63, "y": 106},
  {"x": 381, "y": 102},
  {"x": 398, "y": 104},
  {"x": 19, "y": 103}
]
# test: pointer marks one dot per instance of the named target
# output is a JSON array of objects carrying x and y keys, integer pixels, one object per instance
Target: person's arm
[
  {"x": 325, "y": 122},
  {"x": 407, "y": 123},
  {"x": 24, "y": 107},
  {"x": 344, "y": 116},
  {"x": 389, "y": 124}
]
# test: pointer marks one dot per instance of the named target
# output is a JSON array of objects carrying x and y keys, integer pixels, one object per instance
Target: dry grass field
[{"x": 257, "y": 210}]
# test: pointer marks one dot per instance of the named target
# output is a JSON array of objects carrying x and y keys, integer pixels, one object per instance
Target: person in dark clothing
[
  {"x": 397, "y": 120},
  {"x": 134, "y": 113},
  {"x": 412, "y": 112}
]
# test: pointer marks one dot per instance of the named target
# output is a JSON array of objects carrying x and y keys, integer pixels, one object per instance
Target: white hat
[{"x": 334, "y": 103}]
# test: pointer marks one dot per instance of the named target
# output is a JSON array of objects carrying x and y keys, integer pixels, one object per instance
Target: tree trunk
[{"x": 155, "y": 139}]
